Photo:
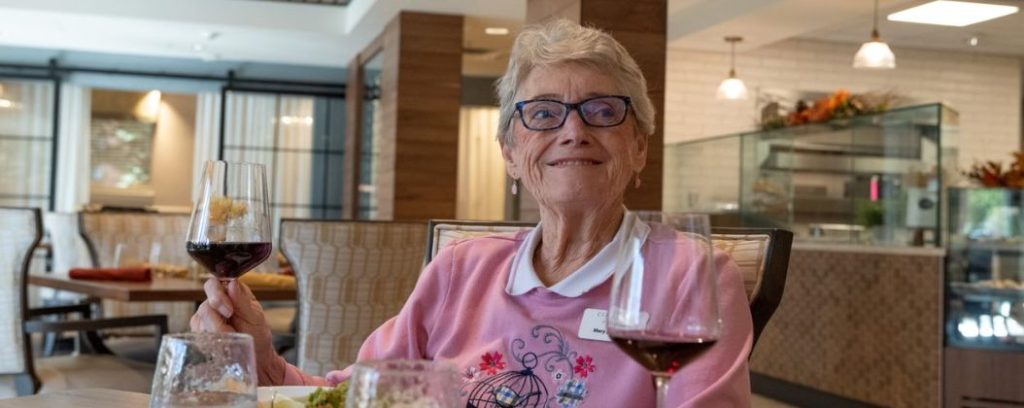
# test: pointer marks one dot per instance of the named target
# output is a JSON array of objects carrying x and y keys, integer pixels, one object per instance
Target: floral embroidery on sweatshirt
[
  {"x": 522, "y": 386},
  {"x": 492, "y": 363},
  {"x": 584, "y": 366}
]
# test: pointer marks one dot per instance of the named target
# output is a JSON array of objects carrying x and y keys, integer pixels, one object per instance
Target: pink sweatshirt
[{"x": 529, "y": 344}]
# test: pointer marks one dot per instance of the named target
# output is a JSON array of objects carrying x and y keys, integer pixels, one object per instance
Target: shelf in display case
[{"x": 1011, "y": 291}]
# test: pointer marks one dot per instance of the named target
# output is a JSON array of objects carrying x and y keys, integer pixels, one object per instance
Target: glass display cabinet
[
  {"x": 869, "y": 179},
  {"x": 985, "y": 269},
  {"x": 983, "y": 361}
]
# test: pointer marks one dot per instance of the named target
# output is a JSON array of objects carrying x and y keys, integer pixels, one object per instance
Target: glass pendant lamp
[{"x": 732, "y": 88}]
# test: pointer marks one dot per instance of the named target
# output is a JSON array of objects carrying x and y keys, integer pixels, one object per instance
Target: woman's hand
[{"x": 232, "y": 308}]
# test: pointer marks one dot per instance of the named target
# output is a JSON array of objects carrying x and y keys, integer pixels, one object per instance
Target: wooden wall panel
[
  {"x": 417, "y": 139},
  {"x": 640, "y": 25},
  {"x": 429, "y": 93}
]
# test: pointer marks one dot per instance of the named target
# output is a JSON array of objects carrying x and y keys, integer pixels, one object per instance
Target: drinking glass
[
  {"x": 229, "y": 232},
  {"x": 205, "y": 370},
  {"x": 666, "y": 318},
  {"x": 403, "y": 383}
]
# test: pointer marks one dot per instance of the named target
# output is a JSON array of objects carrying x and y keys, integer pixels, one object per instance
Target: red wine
[
  {"x": 662, "y": 356},
  {"x": 229, "y": 260}
]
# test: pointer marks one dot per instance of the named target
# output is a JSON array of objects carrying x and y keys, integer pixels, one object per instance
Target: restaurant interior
[{"x": 874, "y": 147}]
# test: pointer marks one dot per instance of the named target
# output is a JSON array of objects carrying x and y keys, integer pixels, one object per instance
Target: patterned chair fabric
[
  {"x": 444, "y": 232},
  {"x": 139, "y": 237},
  {"x": 22, "y": 230},
  {"x": 762, "y": 255},
  {"x": 352, "y": 277},
  {"x": 748, "y": 251}
]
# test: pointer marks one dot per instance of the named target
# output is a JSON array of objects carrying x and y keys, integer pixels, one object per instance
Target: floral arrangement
[
  {"x": 991, "y": 174},
  {"x": 839, "y": 105}
]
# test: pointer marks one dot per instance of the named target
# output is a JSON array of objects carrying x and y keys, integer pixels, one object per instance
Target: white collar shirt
[{"x": 598, "y": 269}]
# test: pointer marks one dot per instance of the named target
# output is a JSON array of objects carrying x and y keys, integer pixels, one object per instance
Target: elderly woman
[{"x": 575, "y": 121}]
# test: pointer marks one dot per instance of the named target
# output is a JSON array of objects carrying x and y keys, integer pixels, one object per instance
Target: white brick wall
[{"x": 984, "y": 89}]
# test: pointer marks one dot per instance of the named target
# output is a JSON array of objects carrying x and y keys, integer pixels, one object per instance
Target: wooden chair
[
  {"x": 762, "y": 255},
  {"x": 441, "y": 233},
  {"x": 22, "y": 232},
  {"x": 352, "y": 277}
]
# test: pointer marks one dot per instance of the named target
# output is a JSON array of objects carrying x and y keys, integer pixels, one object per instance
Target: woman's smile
[{"x": 574, "y": 162}]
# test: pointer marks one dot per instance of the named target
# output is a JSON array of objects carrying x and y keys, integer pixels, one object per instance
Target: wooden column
[
  {"x": 417, "y": 142},
  {"x": 640, "y": 25}
]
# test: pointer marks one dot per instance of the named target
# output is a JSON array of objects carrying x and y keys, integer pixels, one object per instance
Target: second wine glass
[
  {"x": 229, "y": 232},
  {"x": 664, "y": 313}
]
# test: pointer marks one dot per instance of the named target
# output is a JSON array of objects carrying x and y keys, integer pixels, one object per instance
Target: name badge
[{"x": 594, "y": 325}]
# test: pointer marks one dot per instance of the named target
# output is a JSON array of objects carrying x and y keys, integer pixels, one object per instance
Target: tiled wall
[
  {"x": 984, "y": 89},
  {"x": 865, "y": 326}
]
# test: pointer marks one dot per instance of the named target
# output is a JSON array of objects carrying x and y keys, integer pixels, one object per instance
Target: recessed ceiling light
[
  {"x": 952, "y": 13},
  {"x": 496, "y": 31}
]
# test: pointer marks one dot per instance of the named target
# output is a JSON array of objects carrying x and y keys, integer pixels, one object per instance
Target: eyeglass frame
[{"x": 577, "y": 107}]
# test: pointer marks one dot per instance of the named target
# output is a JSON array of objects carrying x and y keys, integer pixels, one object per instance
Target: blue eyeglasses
[{"x": 548, "y": 114}]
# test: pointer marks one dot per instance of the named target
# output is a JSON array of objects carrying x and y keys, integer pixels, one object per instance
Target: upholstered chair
[
  {"x": 444, "y": 232},
  {"x": 352, "y": 277},
  {"x": 22, "y": 232},
  {"x": 142, "y": 237}
]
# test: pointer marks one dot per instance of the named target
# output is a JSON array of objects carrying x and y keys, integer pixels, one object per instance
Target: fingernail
[{"x": 224, "y": 310}]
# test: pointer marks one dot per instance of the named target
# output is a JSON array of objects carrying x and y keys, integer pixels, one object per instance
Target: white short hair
[{"x": 562, "y": 41}]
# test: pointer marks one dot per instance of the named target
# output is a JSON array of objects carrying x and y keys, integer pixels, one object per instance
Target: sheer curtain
[
  {"x": 73, "y": 149},
  {"x": 207, "y": 140},
  {"x": 293, "y": 164},
  {"x": 277, "y": 131},
  {"x": 481, "y": 182}
]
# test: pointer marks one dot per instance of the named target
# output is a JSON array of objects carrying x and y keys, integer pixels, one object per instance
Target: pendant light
[
  {"x": 874, "y": 54},
  {"x": 732, "y": 88}
]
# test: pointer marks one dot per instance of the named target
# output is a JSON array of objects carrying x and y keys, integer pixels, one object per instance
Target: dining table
[
  {"x": 80, "y": 398},
  {"x": 159, "y": 289}
]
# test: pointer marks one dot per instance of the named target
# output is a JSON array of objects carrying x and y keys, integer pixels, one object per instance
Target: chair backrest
[
  {"x": 352, "y": 277},
  {"x": 441, "y": 233},
  {"x": 762, "y": 255},
  {"x": 69, "y": 247},
  {"x": 146, "y": 232},
  {"x": 144, "y": 237},
  {"x": 22, "y": 229}
]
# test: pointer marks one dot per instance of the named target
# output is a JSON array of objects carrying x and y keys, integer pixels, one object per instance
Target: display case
[
  {"x": 983, "y": 361},
  {"x": 985, "y": 269},
  {"x": 869, "y": 179}
]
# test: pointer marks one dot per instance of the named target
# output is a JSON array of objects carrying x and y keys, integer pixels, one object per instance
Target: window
[{"x": 26, "y": 142}]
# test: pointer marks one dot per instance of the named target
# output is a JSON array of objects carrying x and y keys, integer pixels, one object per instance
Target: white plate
[{"x": 265, "y": 394}]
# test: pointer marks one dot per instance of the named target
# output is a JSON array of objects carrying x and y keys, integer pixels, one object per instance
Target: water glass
[
  {"x": 403, "y": 384},
  {"x": 205, "y": 370}
]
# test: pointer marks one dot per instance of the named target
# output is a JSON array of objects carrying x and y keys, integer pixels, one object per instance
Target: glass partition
[{"x": 870, "y": 179}]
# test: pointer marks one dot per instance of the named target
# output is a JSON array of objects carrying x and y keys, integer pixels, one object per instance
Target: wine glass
[
  {"x": 205, "y": 370},
  {"x": 665, "y": 318},
  {"x": 229, "y": 232},
  {"x": 403, "y": 383}
]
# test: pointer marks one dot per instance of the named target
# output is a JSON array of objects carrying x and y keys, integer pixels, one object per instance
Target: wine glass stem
[{"x": 661, "y": 386}]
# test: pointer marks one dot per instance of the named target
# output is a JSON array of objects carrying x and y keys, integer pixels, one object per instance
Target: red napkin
[{"x": 139, "y": 274}]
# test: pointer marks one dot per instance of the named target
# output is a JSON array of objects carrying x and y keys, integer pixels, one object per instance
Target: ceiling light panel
[{"x": 952, "y": 13}]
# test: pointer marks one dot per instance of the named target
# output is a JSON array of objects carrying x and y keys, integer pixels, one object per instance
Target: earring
[
  {"x": 636, "y": 183},
  {"x": 515, "y": 187}
]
